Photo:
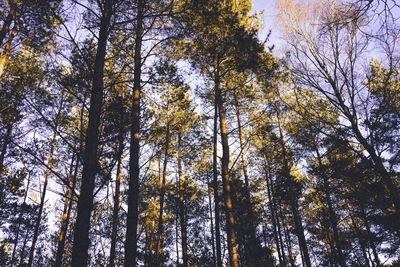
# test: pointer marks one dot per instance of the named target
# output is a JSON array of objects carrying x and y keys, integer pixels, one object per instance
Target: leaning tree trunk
[
  {"x": 85, "y": 201},
  {"x": 133, "y": 191}
]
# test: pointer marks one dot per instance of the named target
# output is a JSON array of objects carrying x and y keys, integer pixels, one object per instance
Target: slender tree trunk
[
  {"x": 22, "y": 252},
  {"x": 160, "y": 228},
  {"x": 43, "y": 196},
  {"x": 242, "y": 149},
  {"x": 215, "y": 186},
  {"x": 387, "y": 178},
  {"x": 134, "y": 150},
  {"x": 5, "y": 47},
  {"x": 271, "y": 207},
  {"x": 370, "y": 237},
  {"x": 9, "y": 128},
  {"x": 65, "y": 218},
  {"x": 226, "y": 180},
  {"x": 19, "y": 223},
  {"x": 211, "y": 219},
  {"x": 182, "y": 202},
  {"x": 278, "y": 223},
  {"x": 63, "y": 233},
  {"x": 288, "y": 244},
  {"x": 293, "y": 200},
  {"x": 251, "y": 244},
  {"x": 176, "y": 240},
  {"x": 8, "y": 20},
  {"x": 6, "y": 141},
  {"x": 90, "y": 165},
  {"x": 115, "y": 217},
  {"x": 146, "y": 247},
  {"x": 337, "y": 248},
  {"x": 6, "y": 51},
  {"x": 360, "y": 240}
]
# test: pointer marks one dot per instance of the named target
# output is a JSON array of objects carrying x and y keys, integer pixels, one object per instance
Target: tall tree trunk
[
  {"x": 293, "y": 199},
  {"x": 13, "y": 259},
  {"x": 63, "y": 233},
  {"x": 250, "y": 246},
  {"x": 242, "y": 148},
  {"x": 9, "y": 128},
  {"x": 4, "y": 145},
  {"x": 117, "y": 193},
  {"x": 271, "y": 207},
  {"x": 176, "y": 240},
  {"x": 278, "y": 223},
  {"x": 65, "y": 219},
  {"x": 388, "y": 179},
  {"x": 160, "y": 228},
  {"x": 182, "y": 202},
  {"x": 215, "y": 186},
  {"x": 90, "y": 165},
  {"x": 337, "y": 249},
  {"x": 5, "y": 47},
  {"x": 211, "y": 219},
  {"x": 22, "y": 252},
  {"x": 6, "y": 51},
  {"x": 134, "y": 150},
  {"x": 370, "y": 237},
  {"x": 45, "y": 183},
  {"x": 226, "y": 179},
  {"x": 289, "y": 246},
  {"x": 8, "y": 21},
  {"x": 360, "y": 240}
]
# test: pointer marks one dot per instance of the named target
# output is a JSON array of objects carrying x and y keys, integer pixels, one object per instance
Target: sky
[{"x": 267, "y": 7}]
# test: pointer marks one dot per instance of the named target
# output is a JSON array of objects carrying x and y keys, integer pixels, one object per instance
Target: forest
[{"x": 180, "y": 133}]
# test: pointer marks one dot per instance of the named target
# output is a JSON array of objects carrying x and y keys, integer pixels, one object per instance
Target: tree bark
[
  {"x": 7, "y": 22},
  {"x": 69, "y": 199},
  {"x": 211, "y": 220},
  {"x": 6, "y": 141},
  {"x": 337, "y": 250},
  {"x": 292, "y": 198},
  {"x": 182, "y": 202},
  {"x": 250, "y": 246},
  {"x": 242, "y": 150},
  {"x": 46, "y": 181},
  {"x": 370, "y": 237},
  {"x": 226, "y": 180},
  {"x": 90, "y": 165},
  {"x": 271, "y": 207},
  {"x": 160, "y": 228},
  {"x": 134, "y": 150},
  {"x": 115, "y": 216},
  {"x": 215, "y": 186},
  {"x": 19, "y": 223}
]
